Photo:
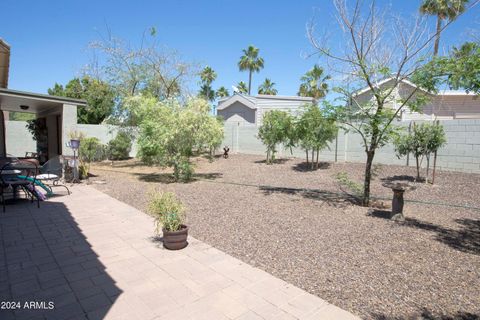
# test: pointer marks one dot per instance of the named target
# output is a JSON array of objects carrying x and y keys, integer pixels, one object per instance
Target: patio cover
[{"x": 38, "y": 104}]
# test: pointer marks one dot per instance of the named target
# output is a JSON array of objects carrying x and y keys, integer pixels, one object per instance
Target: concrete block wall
[
  {"x": 462, "y": 152},
  {"x": 19, "y": 140}
]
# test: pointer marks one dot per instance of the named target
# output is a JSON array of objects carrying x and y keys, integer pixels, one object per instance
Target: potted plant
[{"x": 169, "y": 215}]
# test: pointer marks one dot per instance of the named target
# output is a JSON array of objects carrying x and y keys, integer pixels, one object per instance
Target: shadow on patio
[{"x": 44, "y": 257}]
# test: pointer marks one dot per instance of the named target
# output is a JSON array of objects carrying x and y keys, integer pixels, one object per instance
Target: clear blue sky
[{"x": 49, "y": 38}]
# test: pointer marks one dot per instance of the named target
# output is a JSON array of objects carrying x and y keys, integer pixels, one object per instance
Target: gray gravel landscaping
[{"x": 300, "y": 227}]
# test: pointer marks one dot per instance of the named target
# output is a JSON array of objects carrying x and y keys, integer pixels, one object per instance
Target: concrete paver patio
[{"x": 94, "y": 257}]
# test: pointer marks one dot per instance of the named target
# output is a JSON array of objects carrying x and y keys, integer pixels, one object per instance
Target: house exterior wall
[
  {"x": 441, "y": 106},
  {"x": 264, "y": 105},
  {"x": 238, "y": 113},
  {"x": 69, "y": 123}
]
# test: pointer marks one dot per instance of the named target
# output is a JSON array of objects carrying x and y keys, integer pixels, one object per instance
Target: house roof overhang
[
  {"x": 4, "y": 63},
  {"x": 223, "y": 104},
  {"x": 20, "y": 101}
]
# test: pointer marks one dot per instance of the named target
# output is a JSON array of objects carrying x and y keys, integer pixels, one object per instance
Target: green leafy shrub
[
  {"x": 120, "y": 146},
  {"x": 91, "y": 149},
  {"x": 168, "y": 211},
  {"x": 344, "y": 181},
  {"x": 83, "y": 170},
  {"x": 171, "y": 132}
]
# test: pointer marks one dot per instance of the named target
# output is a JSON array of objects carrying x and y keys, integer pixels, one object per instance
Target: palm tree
[
  {"x": 207, "y": 92},
  {"x": 222, "y": 92},
  {"x": 242, "y": 87},
  {"x": 314, "y": 83},
  {"x": 267, "y": 87},
  {"x": 207, "y": 76},
  {"x": 250, "y": 61},
  {"x": 444, "y": 10}
]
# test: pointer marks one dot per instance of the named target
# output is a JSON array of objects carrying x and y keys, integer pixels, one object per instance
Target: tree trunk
[
  {"x": 268, "y": 154},
  {"x": 434, "y": 166},
  {"x": 437, "y": 36},
  {"x": 434, "y": 160},
  {"x": 318, "y": 151},
  {"x": 418, "y": 168},
  {"x": 368, "y": 176},
  {"x": 306, "y": 152},
  {"x": 249, "y": 81},
  {"x": 428, "y": 167},
  {"x": 313, "y": 158}
]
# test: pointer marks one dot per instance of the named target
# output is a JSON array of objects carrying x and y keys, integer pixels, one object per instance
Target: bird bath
[{"x": 398, "y": 188}]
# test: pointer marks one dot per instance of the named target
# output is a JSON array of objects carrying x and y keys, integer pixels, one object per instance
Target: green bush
[
  {"x": 119, "y": 147},
  {"x": 91, "y": 149},
  {"x": 168, "y": 211}
]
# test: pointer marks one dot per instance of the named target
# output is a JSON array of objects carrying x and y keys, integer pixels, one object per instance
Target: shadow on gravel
[
  {"x": 306, "y": 167},
  {"x": 276, "y": 161},
  {"x": 465, "y": 239},
  {"x": 168, "y": 177},
  {"x": 384, "y": 214},
  {"x": 428, "y": 315},
  {"x": 331, "y": 198}
]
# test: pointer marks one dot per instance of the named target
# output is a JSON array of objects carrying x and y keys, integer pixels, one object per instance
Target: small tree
[
  {"x": 277, "y": 127},
  {"x": 314, "y": 131},
  {"x": 424, "y": 140},
  {"x": 379, "y": 52},
  {"x": 171, "y": 132},
  {"x": 120, "y": 146}
]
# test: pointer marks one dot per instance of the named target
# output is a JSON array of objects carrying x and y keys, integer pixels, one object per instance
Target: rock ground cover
[{"x": 300, "y": 227}]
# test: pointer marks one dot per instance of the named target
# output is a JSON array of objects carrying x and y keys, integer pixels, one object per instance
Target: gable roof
[
  {"x": 413, "y": 85},
  {"x": 245, "y": 100},
  {"x": 385, "y": 81},
  {"x": 251, "y": 101}
]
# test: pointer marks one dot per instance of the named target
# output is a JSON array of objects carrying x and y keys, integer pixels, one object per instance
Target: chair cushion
[{"x": 46, "y": 176}]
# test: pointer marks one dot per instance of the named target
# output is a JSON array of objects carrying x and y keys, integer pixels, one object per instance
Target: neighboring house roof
[
  {"x": 251, "y": 101},
  {"x": 4, "y": 63},
  {"x": 386, "y": 81},
  {"x": 409, "y": 83}
]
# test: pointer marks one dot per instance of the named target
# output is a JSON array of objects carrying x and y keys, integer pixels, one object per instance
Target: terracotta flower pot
[{"x": 175, "y": 240}]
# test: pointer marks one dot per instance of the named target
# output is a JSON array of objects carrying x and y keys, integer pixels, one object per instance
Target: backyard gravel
[{"x": 299, "y": 226}]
